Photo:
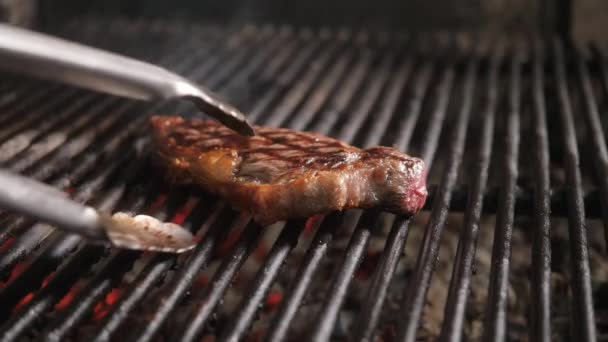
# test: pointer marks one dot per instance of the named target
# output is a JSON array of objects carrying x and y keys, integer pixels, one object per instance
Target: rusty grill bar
[{"x": 466, "y": 104}]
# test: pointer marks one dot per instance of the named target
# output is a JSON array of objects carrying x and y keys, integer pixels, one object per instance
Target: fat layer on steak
[{"x": 282, "y": 173}]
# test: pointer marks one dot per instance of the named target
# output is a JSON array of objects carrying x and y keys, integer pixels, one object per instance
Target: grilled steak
[{"x": 281, "y": 173}]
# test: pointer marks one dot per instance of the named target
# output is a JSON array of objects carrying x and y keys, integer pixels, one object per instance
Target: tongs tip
[
  {"x": 147, "y": 233},
  {"x": 233, "y": 119},
  {"x": 222, "y": 111}
]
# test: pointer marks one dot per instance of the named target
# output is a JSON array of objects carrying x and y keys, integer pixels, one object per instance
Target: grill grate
[{"x": 466, "y": 104}]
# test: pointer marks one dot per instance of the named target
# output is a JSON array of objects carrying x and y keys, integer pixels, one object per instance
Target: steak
[{"x": 282, "y": 173}]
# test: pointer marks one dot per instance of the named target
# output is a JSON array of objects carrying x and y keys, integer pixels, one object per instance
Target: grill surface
[{"x": 510, "y": 245}]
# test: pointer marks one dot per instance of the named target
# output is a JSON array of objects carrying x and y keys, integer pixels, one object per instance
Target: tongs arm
[
  {"x": 43, "y": 202},
  {"x": 60, "y": 60}
]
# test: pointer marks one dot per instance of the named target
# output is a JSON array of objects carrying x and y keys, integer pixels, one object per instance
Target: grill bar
[
  {"x": 372, "y": 93},
  {"x": 395, "y": 241},
  {"x": 584, "y": 317},
  {"x": 416, "y": 294},
  {"x": 388, "y": 105},
  {"x": 343, "y": 99},
  {"x": 495, "y": 324},
  {"x": 323, "y": 91},
  {"x": 463, "y": 263},
  {"x": 369, "y": 220},
  {"x": 598, "y": 140},
  {"x": 301, "y": 89},
  {"x": 49, "y": 104},
  {"x": 541, "y": 248},
  {"x": 287, "y": 77}
]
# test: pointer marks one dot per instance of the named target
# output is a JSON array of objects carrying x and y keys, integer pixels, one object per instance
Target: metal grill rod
[
  {"x": 367, "y": 320},
  {"x": 44, "y": 139},
  {"x": 584, "y": 317},
  {"x": 415, "y": 296},
  {"x": 541, "y": 246},
  {"x": 495, "y": 322},
  {"x": 302, "y": 89},
  {"x": 289, "y": 76},
  {"x": 452, "y": 327},
  {"x": 598, "y": 139},
  {"x": 369, "y": 220},
  {"x": 322, "y": 92},
  {"x": 388, "y": 104}
]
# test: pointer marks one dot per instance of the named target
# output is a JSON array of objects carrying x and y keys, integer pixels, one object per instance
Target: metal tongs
[
  {"x": 43, "y": 202},
  {"x": 60, "y": 60}
]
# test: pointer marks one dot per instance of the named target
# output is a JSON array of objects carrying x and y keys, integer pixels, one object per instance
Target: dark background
[
  {"x": 582, "y": 19},
  {"x": 504, "y": 15}
]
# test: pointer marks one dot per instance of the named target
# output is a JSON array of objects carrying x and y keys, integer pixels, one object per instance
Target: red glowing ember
[
  {"x": 6, "y": 244},
  {"x": 260, "y": 251},
  {"x": 273, "y": 300},
  {"x": 201, "y": 281},
  {"x": 24, "y": 301},
  {"x": 67, "y": 299},
  {"x": 312, "y": 223},
  {"x": 229, "y": 242},
  {"x": 46, "y": 280},
  {"x": 17, "y": 270},
  {"x": 368, "y": 265},
  {"x": 103, "y": 306},
  {"x": 158, "y": 202},
  {"x": 184, "y": 211},
  {"x": 256, "y": 336},
  {"x": 70, "y": 190},
  {"x": 208, "y": 338}
]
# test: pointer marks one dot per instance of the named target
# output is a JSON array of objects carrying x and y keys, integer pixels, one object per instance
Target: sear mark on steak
[{"x": 282, "y": 173}]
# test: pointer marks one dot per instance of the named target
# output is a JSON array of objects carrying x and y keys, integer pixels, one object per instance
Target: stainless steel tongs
[{"x": 52, "y": 58}]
